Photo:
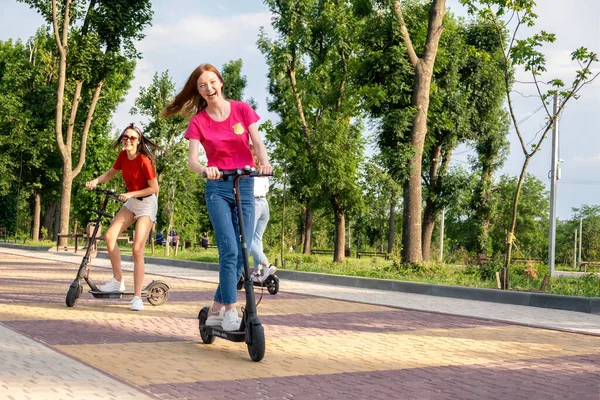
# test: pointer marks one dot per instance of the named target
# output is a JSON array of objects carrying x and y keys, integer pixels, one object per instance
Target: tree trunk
[
  {"x": 412, "y": 251},
  {"x": 392, "y": 225},
  {"x": 482, "y": 207},
  {"x": 431, "y": 204},
  {"x": 65, "y": 199},
  {"x": 511, "y": 233},
  {"x": 48, "y": 219},
  {"x": 56, "y": 222},
  {"x": 428, "y": 225},
  {"x": 37, "y": 211},
  {"x": 340, "y": 231},
  {"x": 308, "y": 224}
]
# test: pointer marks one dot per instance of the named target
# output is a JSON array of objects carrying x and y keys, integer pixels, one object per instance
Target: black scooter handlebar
[
  {"x": 108, "y": 192},
  {"x": 247, "y": 171}
]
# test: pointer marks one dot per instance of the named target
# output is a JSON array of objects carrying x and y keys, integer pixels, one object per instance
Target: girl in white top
[{"x": 261, "y": 219}]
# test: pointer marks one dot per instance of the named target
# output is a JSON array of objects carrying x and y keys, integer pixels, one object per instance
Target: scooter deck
[
  {"x": 234, "y": 336},
  {"x": 114, "y": 295}
]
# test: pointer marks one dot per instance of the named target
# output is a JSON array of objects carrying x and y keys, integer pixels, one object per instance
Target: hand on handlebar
[
  {"x": 211, "y": 173},
  {"x": 266, "y": 169},
  {"x": 91, "y": 185},
  {"x": 124, "y": 197}
]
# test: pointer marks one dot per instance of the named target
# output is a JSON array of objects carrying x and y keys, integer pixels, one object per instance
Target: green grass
[{"x": 436, "y": 273}]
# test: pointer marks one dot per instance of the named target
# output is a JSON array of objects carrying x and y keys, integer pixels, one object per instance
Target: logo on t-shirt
[{"x": 238, "y": 129}]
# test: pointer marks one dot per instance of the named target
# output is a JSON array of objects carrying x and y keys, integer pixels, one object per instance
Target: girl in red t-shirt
[
  {"x": 224, "y": 129},
  {"x": 136, "y": 163}
]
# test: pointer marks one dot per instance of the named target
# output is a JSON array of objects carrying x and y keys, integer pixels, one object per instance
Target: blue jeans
[
  {"x": 261, "y": 219},
  {"x": 222, "y": 210}
]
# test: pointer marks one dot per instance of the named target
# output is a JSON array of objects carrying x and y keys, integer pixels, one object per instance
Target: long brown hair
[
  {"x": 145, "y": 146},
  {"x": 189, "y": 102}
]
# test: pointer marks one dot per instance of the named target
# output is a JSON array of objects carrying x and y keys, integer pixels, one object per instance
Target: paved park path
[{"x": 323, "y": 342}]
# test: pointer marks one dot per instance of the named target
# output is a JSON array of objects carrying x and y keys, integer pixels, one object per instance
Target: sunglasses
[{"x": 130, "y": 138}]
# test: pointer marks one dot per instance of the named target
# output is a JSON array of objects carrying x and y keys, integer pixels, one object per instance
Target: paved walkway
[{"x": 323, "y": 342}]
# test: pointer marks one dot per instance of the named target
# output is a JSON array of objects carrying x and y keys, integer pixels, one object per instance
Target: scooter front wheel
[
  {"x": 272, "y": 284},
  {"x": 74, "y": 292},
  {"x": 202, "y": 316},
  {"x": 256, "y": 347}
]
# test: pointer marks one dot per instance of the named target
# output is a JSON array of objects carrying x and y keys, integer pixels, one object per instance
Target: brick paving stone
[{"x": 317, "y": 347}]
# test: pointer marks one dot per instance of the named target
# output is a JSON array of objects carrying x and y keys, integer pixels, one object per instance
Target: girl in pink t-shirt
[
  {"x": 136, "y": 163},
  {"x": 224, "y": 128}
]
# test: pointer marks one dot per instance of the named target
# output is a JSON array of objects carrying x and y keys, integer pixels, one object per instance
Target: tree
[
  {"x": 412, "y": 251},
  {"x": 309, "y": 71},
  {"x": 488, "y": 121},
  {"x": 525, "y": 53},
  {"x": 171, "y": 164},
  {"x": 236, "y": 82},
  {"x": 27, "y": 157},
  {"x": 531, "y": 227},
  {"x": 92, "y": 45}
]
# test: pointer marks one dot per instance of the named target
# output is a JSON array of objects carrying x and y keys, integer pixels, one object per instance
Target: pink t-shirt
[{"x": 226, "y": 143}]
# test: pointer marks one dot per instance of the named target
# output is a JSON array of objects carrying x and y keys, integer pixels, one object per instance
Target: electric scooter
[
  {"x": 251, "y": 330},
  {"x": 157, "y": 292},
  {"x": 271, "y": 283}
]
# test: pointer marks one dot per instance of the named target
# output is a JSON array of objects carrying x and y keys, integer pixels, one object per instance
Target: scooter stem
[{"x": 249, "y": 289}]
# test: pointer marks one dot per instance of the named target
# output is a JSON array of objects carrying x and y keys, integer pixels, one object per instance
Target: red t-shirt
[
  {"x": 136, "y": 172},
  {"x": 226, "y": 143}
]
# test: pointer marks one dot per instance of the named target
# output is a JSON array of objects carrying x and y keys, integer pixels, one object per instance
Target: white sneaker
[
  {"x": 270, "y": 270},
  {"x": 112, "y": 286},
  {"x": 215, "y": 320},
  {"x": 256, "y": 277},
  {"x": 137, "y": 304},
  {"x": 231, "y": 320}
]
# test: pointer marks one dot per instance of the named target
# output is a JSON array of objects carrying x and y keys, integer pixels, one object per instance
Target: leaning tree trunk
[
  {"x": 511, "y": 233},
  {"x": 37, "y": 211}
]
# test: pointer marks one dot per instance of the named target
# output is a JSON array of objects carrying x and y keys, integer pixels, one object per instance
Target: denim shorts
[{"x": 142, "y": 207}]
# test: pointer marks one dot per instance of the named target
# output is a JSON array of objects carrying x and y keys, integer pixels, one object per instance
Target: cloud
[
  {"x": 201, "y": 31},
  {"x": 593, "y": 160}
]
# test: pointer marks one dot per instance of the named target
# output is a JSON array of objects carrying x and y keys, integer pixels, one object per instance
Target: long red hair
[{"x": 189, "y": 102}]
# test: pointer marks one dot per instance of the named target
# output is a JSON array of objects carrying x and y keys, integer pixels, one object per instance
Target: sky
[{"x": 216, "y": 31}]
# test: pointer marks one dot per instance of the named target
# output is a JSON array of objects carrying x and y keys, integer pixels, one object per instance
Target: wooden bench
[
  {"x": 321, "y": 251},
  {"x": 122, "y": 238},
  {"x": 586, "y": 264},
  {"x": 210, "y": 246},
  {"x": 359, "y": 254},
  {"x": 484, "y": 258},
  {"x": 3, "y": 234},
  {"x": 76, "y": 236},
  {"x": 481, "y": 259},
  {"x": 527, "y": 260}
]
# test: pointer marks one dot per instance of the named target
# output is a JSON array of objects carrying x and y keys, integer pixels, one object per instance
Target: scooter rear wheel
[
  {"x": 256, "y": 349},
  {"x": 202, "y": 316},
  {"x": 74, "y": 292},
  {"x": 272, "y": 284},
  {"x": 158, "y": 294}
]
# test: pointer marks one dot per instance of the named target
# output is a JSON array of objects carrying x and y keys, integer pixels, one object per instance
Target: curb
[{"x": 590, "y": 305}]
